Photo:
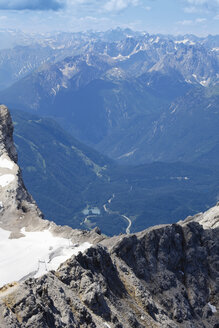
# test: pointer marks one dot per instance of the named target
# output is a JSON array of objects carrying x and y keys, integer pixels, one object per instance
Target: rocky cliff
[
  {"x": 165, "y": 276},
  {"x": 17, "y": 206}
]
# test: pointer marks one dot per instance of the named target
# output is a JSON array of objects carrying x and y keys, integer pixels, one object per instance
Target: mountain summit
[{"x": 52, "y": 276}]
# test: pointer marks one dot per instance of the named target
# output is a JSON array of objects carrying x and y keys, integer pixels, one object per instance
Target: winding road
[
  {"x": 122, "y": 215},
  {"x": 129, "y": 224}
]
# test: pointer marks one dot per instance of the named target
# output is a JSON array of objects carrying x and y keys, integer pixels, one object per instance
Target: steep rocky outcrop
[
  {"x": 30, "y": 245},
  {"x": 165, "y": 276},
  {"x": 17, "y": 207},
  {"x": 162, "y": 277}
]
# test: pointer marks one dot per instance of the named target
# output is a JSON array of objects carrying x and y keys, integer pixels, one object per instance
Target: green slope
[{"x": 66, "y": 177}]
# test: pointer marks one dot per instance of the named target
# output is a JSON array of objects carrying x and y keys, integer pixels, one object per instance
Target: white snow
[
  {"x": 185, "y": 41},
  {"x": 157, "y": 39},
  {"x": 195, "y": 76},
  {"x": 182, "y": 41},
  {"x": 34, "y": 254},
  {"x": 174, "y": 109},
  {"x": 6, "y": 163},
  {"x": 6, "y": 179},
  {"x": 205, "y": 83},
  {"x": 107, "y": 325},
  {"x": 179, "y": 178},
  {"x": 212, "y": 307},
  {"x": 128, "y": 154},
  {"x": 53, "y": 91},
  {"x": 69, "y": 71},
  {"x": 121, "y": 57}
]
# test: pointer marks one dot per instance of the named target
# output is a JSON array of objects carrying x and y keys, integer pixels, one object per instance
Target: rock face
[
  {"x": 17, "y": 206},
  {"x": 6, "y": 134},
  {"x": 162, "y": 277},
  {"x": 30, "y": 245},
  {"x": 165, "y": 276},
  {"x": 208, "y": 219}
]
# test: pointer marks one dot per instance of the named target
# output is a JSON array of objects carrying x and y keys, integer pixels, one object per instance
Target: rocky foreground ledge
[{"x": 165, "y": 276}]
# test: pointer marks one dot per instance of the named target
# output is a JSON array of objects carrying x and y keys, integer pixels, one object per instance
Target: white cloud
[
  {"x": 100, "y": 6},
  {"x": 203, "y": 2},
  {"x": 197, "y": 2},
  {"x": 185, "y": 22},
  {"x": 118, "y": 5},
  {"x": 194, "y": 6},
  {"x": 191, "y": 10},
  {"x": 200, "y": 20},
  {"x": 193, "y": 22}
]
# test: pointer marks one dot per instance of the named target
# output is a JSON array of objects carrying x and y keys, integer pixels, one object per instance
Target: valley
[
  {"x": 75, "y": 185},
  {"x": 118, "y": 113}
]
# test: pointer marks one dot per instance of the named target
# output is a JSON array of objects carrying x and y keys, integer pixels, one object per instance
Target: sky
[{"x": 199, "y": 17}]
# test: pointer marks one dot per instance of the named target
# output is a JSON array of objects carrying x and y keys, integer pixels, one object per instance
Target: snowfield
[
  {"x": 6, "y": 179},
  {"x": 6, "y": 163},
  {"x": 34, "y": 254}
]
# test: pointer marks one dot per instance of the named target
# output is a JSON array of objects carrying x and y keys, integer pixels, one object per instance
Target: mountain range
[
  {"x": 147, "y": 104},
  {"x": 128, "y": 97}
]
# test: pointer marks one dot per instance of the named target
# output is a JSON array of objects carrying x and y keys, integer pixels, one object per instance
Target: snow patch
[
  {"x": 128, "y": 154},
  {"x": 6, "y": 179},
  {"x": 6, "y": 163},
  {"x": 195, "y": 76},
  {"x": 121, "y": 57},
  {"x": 179, "y": 178},
  {"x": 157, "y": 39},
  {"x": 212, "y": 307},
  {"x": 34, "y": 254},
  {"x": 185, "y": 41},
  {"x": 174, "y": 109},
  {"x": 205, "y": 83},
  {"x": 53, "y": 91},
  {"x": 107, "y": 325},
  {"x": 69, "y": 71}
]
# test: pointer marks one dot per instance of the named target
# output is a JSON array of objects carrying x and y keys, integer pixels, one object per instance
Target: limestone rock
[{"x": 162, "y": 277}]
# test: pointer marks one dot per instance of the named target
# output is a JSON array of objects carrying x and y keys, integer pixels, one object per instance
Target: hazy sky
[{"x": 199, "y": 17}]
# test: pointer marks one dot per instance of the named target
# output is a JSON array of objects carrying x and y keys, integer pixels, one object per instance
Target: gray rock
[{"x": 117, "y": 286}]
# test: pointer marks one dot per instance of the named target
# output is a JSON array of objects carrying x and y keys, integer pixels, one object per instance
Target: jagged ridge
[{"x": 161, "y": 277}]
